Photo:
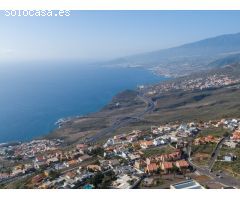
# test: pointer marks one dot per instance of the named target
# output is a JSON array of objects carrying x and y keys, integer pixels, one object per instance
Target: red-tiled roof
[
  {"x": 182, "y": 163},
  {"x": 167, "y": 165},
  {"x": 152, "y": 167},
  {"x": 236, "y": 135}
]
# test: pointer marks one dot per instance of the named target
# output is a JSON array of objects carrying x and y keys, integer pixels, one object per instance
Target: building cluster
[
  {"x": 124, "y": 156},
  {"x": 212, "y": 81},
  {"x": 29, "y": 150},
  {"x": 206, "y": 139}
]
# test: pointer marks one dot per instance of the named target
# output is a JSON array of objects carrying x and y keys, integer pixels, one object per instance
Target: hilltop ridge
[{"x": 188, "y": 58}]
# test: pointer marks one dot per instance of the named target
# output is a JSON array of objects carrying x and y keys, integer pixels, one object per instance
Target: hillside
[
  {"x": 181, "y": 104},
  {"x": 185, "y": 59},
  {"x": 228, "y": 60}
]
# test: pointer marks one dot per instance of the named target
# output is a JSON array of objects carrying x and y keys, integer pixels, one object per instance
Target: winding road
[{"x": 125, "y": 120}]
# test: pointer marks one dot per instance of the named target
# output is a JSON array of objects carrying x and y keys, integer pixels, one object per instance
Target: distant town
[{"x": 199, "y": 83}]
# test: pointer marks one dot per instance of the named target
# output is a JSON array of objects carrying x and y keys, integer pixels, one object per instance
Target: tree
[
  {"x": 174, "y": 170},
  {"x": 226, "y": 134},
  {"x": 97, "y": 179},
  {"x": 97, "y": 151},
  {"x": 54, "y": 174}
]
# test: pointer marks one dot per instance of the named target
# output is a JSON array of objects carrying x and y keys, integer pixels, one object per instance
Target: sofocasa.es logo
[{"x": 37, "y": 13}]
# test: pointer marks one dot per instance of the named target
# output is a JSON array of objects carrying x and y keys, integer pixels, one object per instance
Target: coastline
[{"x": 65, "y": 119}]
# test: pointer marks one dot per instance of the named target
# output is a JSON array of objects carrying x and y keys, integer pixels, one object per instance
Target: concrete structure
[{"x": 189, "y": 184}]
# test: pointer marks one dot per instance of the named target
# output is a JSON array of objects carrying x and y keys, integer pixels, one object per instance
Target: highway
[{"x": 125, "y": 120}]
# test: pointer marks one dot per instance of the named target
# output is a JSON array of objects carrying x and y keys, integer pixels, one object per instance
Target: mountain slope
[
  {"x": 228, "y": 60},
  {"x": 185, "y": 59}
]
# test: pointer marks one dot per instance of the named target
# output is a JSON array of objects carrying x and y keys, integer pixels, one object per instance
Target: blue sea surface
[{"x": 33, "y": 98}]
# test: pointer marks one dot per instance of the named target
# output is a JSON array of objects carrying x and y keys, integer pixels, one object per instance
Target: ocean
[{"x": 33, "y": 97}]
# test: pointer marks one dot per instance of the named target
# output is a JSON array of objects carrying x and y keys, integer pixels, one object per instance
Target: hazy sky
[{"x": 99, "y": 35}]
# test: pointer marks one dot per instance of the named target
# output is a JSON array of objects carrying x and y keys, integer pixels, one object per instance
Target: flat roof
[{"x": 190, "y": 184}]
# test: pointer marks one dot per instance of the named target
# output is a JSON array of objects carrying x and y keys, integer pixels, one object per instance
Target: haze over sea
[{"x": 33, "y": 98}]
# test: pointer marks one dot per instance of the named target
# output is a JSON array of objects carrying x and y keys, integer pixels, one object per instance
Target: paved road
[
  {"x": 125, "y": 120},
  {"x": 215, "y": 153},
  {"x": 225, "y": 179}
]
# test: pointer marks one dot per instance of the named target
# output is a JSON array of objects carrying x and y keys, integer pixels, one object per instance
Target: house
[
  {"x": 236, "y": 136},
  {"x": 132, "y": 138},
  {"x": 46, "y": 185},
  {"x": 110, "y": 142},
  {"x": 72, "y": 162},
  {"x": 38, "y": 165},
  {"x": 114, "y": 162},
  {"x": 47, "y": 172},
  {"x": 140, "y": 164},
  {"x": 70, "y": 175},
  {"x": 124, "y": 154},
  {"x": 16, "y": 172},
  {"x": 229, "y": 158},
  {"x": 182, "y": 164},
  {"x": 40, "y": 162},
  {"x": 40, "y": 159},
  {"x": 205, "y": 140},
  {"x": 84, "y": 157},
  {"x": 151, "y": 168},
  {"x": 193, "y": 131},
  {"x": 59, "y": 166},
  {"x": 133, "y": 156},
  {"x": 173, "y": 139},
  {"x": 108, "y": 152},
  {"x": 124, "y": 182},
  {"x": 163, "y": 157},
  {"x": 37, "y": 179},
  {"x": 146, "y": 144},
  {"x": 156, "y": 131},
  {"x": 158, "y": 142},
  {"x": 198, "y": 141},
  {"x": 174, "y": 156},
  {"x": 211, "y": 139},
  {"x": 94, "y": 168},
  {"x": 3, "y": 176},
  {"x": 52, "y": 160},
  {"x": 82, "y": 148},
  {"x": 166, "y": 166}
]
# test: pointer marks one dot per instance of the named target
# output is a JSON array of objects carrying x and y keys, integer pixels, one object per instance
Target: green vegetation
[
  {"x": 204, "y": 148},
  {"x": 97, "y": 152},
  {"x": 53, "y": 174},
  {"x": 230, "y": 167},
  {"x": 157, "y": 151},
  {"x": 217, "y": 132},
  {"x": 102, "y": 181}
]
